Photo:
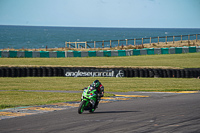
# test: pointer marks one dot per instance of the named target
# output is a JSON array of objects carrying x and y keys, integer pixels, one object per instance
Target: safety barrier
[
  {"x": 102, "y": 53},
  {"x": 32, "y": 54},
  {"x": 102, "y": 72}
]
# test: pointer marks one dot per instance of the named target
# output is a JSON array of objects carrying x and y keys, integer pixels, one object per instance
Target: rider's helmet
[{"x": 96, "y": 83}]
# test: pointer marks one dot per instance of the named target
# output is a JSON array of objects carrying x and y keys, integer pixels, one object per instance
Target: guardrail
[
  {"x": 134, "y": 41},
  {"x": 98, "y": 72},
  {"x": 102, "y": 53}
]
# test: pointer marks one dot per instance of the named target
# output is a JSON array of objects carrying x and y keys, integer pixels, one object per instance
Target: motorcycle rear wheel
[{"x": 81, "y": 107}]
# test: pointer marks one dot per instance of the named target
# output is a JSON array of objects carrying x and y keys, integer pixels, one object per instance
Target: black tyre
[{"x": 81, "y": 107}]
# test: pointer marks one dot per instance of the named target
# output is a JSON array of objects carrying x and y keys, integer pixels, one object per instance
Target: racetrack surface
[{"x": 160, "y": 112}]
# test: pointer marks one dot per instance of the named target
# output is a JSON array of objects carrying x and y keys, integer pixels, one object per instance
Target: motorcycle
[{"x": 88, "y": 100}]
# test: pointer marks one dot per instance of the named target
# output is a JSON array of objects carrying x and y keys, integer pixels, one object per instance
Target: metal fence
[{"x": 134, "y": 41}]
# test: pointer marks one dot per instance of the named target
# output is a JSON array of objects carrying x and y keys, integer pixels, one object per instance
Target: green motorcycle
[{"x": 88, "y": 100}]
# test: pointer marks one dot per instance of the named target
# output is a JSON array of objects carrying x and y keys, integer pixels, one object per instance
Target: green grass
[
  {"x": 189, "y": 60},
  {"x": 111, "y": 84},
  {"x": 16, "y": 98},
  {"x": 12, "y": 97}
]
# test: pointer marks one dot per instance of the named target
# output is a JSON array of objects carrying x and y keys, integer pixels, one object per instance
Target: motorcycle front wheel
[{"x": 81, "y": 107}]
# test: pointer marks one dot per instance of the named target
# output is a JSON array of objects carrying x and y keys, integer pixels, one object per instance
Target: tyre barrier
[{"x": 128, "y": 72}]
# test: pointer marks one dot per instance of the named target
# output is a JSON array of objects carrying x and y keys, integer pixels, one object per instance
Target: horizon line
[{"x": 98, "y": 27}]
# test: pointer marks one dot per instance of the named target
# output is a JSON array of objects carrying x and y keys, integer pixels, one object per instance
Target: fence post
[
  {"x": 181, "y": 38},
  {"x": 65, "y": 44},
  {"x": 110, "y": 43},
  {"x": 188, "y": 39},
  {"x": 75, "y": 44},
  {"x": 166, "y": 39},
  {"x": 94, "y": 44},
  {"x": 196, "y": 38},
  {"x": 158, "y": 39},
  {"x": 134, "y": 41},
  {"x": 103, "y": 44},
  {"x": 126, "y": 42},
  {"x": 69, "y": 45},
  {"x": 142, "y": 41},
  {"x": 85, "y": 44},
  {"x": 118, "y": 43},
  {"x": 150, "y": 40},
  {"x": 173, "y": 39}
]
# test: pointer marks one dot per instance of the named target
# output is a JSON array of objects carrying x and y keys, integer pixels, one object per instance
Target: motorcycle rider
[{"x": 100, "y": 91}]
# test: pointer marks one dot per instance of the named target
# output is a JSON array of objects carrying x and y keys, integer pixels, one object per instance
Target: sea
[{"x": 31, "y": 37}]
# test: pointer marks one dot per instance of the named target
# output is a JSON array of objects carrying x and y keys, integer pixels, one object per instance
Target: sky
[{"x": 102, "y": 13}]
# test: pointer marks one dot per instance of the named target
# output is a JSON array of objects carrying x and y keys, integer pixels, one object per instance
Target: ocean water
[{"x": 53, "y": 37}]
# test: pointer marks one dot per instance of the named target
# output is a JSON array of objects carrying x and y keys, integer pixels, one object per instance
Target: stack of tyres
[
  {"x": 164, "y": 73},
  {"x": 136, "y": 72},
  {"x": 8, "y": 72},
  {"x": 49, "y": 71},
  {"x": 182, "y": 72},
  {"x": 174, "y": 73},
  {"x": 197, "y": 71},
  {"x": 178, "y": 73},
  {"x": 1, "y": 72},
  {"x": 169, "y": 73},
  {"x": 55, "y": 71},
  {"x": 44, "y": 72},
  {"x": 146, "y": 73},
  {"x": 34, "y": 72},
  {"x": 22, "y": 71},
  {"x": 60, "y": 71},
  {"x": 39, "y": 72},
  {"x": 151, "y": 73},
  {"x": 130, "y": 72},
  {"x": 13, "y": 72},
  {"x": 160, "y": 71},
  {"x": 156, "y": 73},
  {"x": 141, "y": 73},
  {"x": 30, "y": 72},
  {"x": 187, "y": 75}
]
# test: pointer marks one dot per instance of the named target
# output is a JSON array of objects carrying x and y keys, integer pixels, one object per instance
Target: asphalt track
[{"x": 160, "y": 112}]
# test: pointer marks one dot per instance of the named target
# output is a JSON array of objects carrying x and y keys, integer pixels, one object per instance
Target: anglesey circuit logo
[
  {"x": 95, "y": 73},
  {"x": 120, "y": 74}
]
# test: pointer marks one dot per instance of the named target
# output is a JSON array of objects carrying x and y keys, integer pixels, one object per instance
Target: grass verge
[
  {"x": 111, "y": 84},
  {"x": 9, "y": 99},
  {"x": 189, "y": 60},
  {"x": 13, "y": 98}
]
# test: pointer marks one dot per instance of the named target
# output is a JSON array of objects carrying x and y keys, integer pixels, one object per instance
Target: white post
[
  {"x": 94, "y": 44},
  {"x": 150, "y": 40},
  {"x": 134, "y": 41},
  {"x": 85, "y": 44},
  {"x": 118, "y": 43},
  {"x": 158, "y": 39},
  {"x": 65, "y": 44},
  {"x": 75, "y": 44}
]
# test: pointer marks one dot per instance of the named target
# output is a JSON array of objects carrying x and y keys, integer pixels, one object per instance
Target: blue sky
[{"x": 102, "y": 13}]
